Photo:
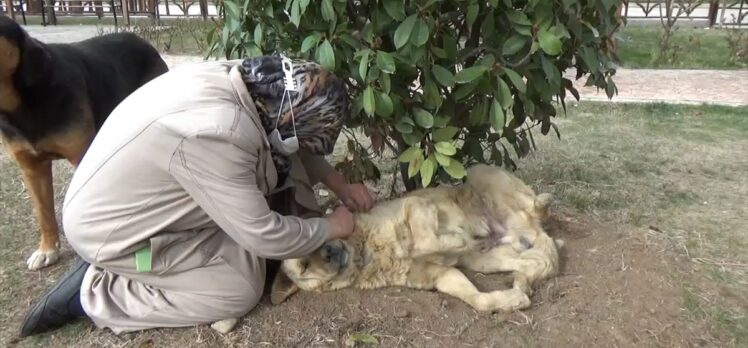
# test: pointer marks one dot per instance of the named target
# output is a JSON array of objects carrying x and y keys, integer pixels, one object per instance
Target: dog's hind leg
[
  {"x": 37, "y": 176},
  {"x": 451, "y": 281},
  {"x": 528, "y": 267}
]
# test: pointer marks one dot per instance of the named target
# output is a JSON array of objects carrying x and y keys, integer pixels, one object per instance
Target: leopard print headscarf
[{"x": 320, "y": 105}]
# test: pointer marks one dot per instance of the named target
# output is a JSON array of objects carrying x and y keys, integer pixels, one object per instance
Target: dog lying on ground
[
  {"x": 53, "y": 100},
  {"x": 490, "y": 224}
]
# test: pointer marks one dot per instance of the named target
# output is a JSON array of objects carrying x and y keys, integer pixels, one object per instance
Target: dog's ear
[
  {"x": 35, "y": 61},
  {"x": 283, "y": 287}
]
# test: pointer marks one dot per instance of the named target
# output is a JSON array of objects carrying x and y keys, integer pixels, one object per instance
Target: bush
[{"x": 441, "y": 83}]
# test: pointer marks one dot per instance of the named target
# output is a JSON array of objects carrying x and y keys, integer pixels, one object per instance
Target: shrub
[{"x": 441, "y": 83}]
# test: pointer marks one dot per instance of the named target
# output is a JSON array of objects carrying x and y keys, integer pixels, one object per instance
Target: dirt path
[{"x": 674, "y": 86}]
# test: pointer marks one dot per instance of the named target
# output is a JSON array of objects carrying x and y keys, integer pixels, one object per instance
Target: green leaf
[
  {"x": 450, "y": 46},
  {"x": 513, "y": 45},
  {"x": 310, "y": 42},
  {"x": 414, "y": 166},
  {"x": 384, "y": 106},
  {"x": 444, "y": 134},
  {"x": 326, "y": 55},
  {"x": 420, "y": 33},
  {"x": 328, "y": 11},
  {"x": 428, "y": 168},
  {"x": 232, "y": 9},
  {"x": 464, "y": 90},
  {"x": 408, "y": 120},
  {"x": 516, "y": 80},
  {"x": 439, "y": 52},
  {"x": 404, "y": 128},
  {"x": 423, "y": 118},
  {"x": 479, "y": 113},
  {"x": 363, "y": 66},
  {"x": 369, "y": 102},
  {"x": 445, "y": 148},
  {"x": 518, "y": 17},
  {"x": 505, "y": 95},
  {"x": 295, "y": 15},
  {"x": 413, "y": 138},
  {"x": 549, "y": 42},
  {"x": 404, "y": 30},
  {"x": 385, "y": 62},
  {"x": 386, "y": 83},
  {"x": 360, "y": 338},
  {"x": 410, "y": 154},
  {"x": 610, "y": 88},
  {"x": 443, "y": 76},
  {"x": 469, "y": 74},
  {"x": 431, "y": 97},
  {"x": 443, "y": 160},
  {"x": 472, "y": 14},
  {"x": 395, "y": 9},
  {"x": 497, "y": 115},
  {"x": 455, "y": 170},
  {"x": 441, "y": 121},
  {"x": 258, "y": 34},
  {"x": 488, "y": 61}
]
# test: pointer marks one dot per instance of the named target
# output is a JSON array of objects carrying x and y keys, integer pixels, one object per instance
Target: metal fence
[
  {"x": 709, "y": 12},
  {"x": 123, "y": 10}
]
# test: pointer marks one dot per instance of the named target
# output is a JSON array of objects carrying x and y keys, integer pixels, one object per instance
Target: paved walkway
[
  {"x": 720, "y": 87},
  {"x": 634, "y": 85}
]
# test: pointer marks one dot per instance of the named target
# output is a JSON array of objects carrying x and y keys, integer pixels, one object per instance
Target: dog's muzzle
[{"x": 335, "y": 254}]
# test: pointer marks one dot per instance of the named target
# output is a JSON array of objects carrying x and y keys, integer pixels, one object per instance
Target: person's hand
[
  {"x": 341, "y": 224},
  {"x": 356, "y": 197}
]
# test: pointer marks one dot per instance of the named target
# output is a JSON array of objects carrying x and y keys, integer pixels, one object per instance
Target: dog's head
[
  {"x": 333, "y": 266},
  {"x": 24, "y": 62}
]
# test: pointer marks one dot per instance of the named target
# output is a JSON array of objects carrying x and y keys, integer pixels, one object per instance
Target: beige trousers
[{"x": 228, "y": 285}]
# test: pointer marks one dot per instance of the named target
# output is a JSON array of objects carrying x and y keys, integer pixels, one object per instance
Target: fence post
[
  {"x": 204, "y": 9},
  {"x": 713, "y": 11},
  {"x": 126, "y": 12},
  {"x": 9, "y": 9}
]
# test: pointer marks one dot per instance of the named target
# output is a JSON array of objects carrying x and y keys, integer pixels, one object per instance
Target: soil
[{"x": 613, "y": 292}]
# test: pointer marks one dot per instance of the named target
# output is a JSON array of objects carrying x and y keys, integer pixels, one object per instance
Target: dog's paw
[
  {"x": 42, "y": 258},
  {"x": 225, "y": 326},
  {"x": 511, "y": 300}
]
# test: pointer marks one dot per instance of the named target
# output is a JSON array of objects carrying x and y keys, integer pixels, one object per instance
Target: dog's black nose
[{"x": 332, "y": 253}]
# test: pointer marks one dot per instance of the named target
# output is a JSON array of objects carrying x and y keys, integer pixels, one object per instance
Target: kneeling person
[{"x": 171, "y": 207}]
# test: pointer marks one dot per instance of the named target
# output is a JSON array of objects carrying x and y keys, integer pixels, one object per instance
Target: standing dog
[
  {"x": 54, "y": 98},
  {"x": 490, "y": 224}
]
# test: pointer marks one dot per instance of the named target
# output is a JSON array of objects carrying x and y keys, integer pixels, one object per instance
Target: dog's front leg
[
  {"x": 37, "y": 176},
  {"x": 451, "y": 281}
]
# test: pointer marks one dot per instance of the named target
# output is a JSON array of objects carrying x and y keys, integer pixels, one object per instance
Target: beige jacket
[{"x": 184, "y": 154}]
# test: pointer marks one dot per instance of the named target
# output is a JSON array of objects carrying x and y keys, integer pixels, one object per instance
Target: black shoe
[{"x": 58, "y": 306}]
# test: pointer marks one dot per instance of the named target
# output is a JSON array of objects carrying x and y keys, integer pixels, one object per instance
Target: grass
[
  {"x": 674, "y": 174},
  {"x": 697, "y": 48}
]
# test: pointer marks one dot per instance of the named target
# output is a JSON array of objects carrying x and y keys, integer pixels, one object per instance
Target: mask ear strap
[{"x": 290, "y": 106}]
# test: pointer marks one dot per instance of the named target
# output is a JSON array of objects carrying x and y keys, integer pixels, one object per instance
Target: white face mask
[{"x": 286, "y": 146}]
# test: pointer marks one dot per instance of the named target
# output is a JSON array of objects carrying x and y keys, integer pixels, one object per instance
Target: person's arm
[
  {"x": 221, "y": 177},
  {"x": 355, "y": 196}
]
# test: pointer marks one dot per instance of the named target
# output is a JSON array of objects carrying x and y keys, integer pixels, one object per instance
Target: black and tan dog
[{"x": 54, "y": 98}]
